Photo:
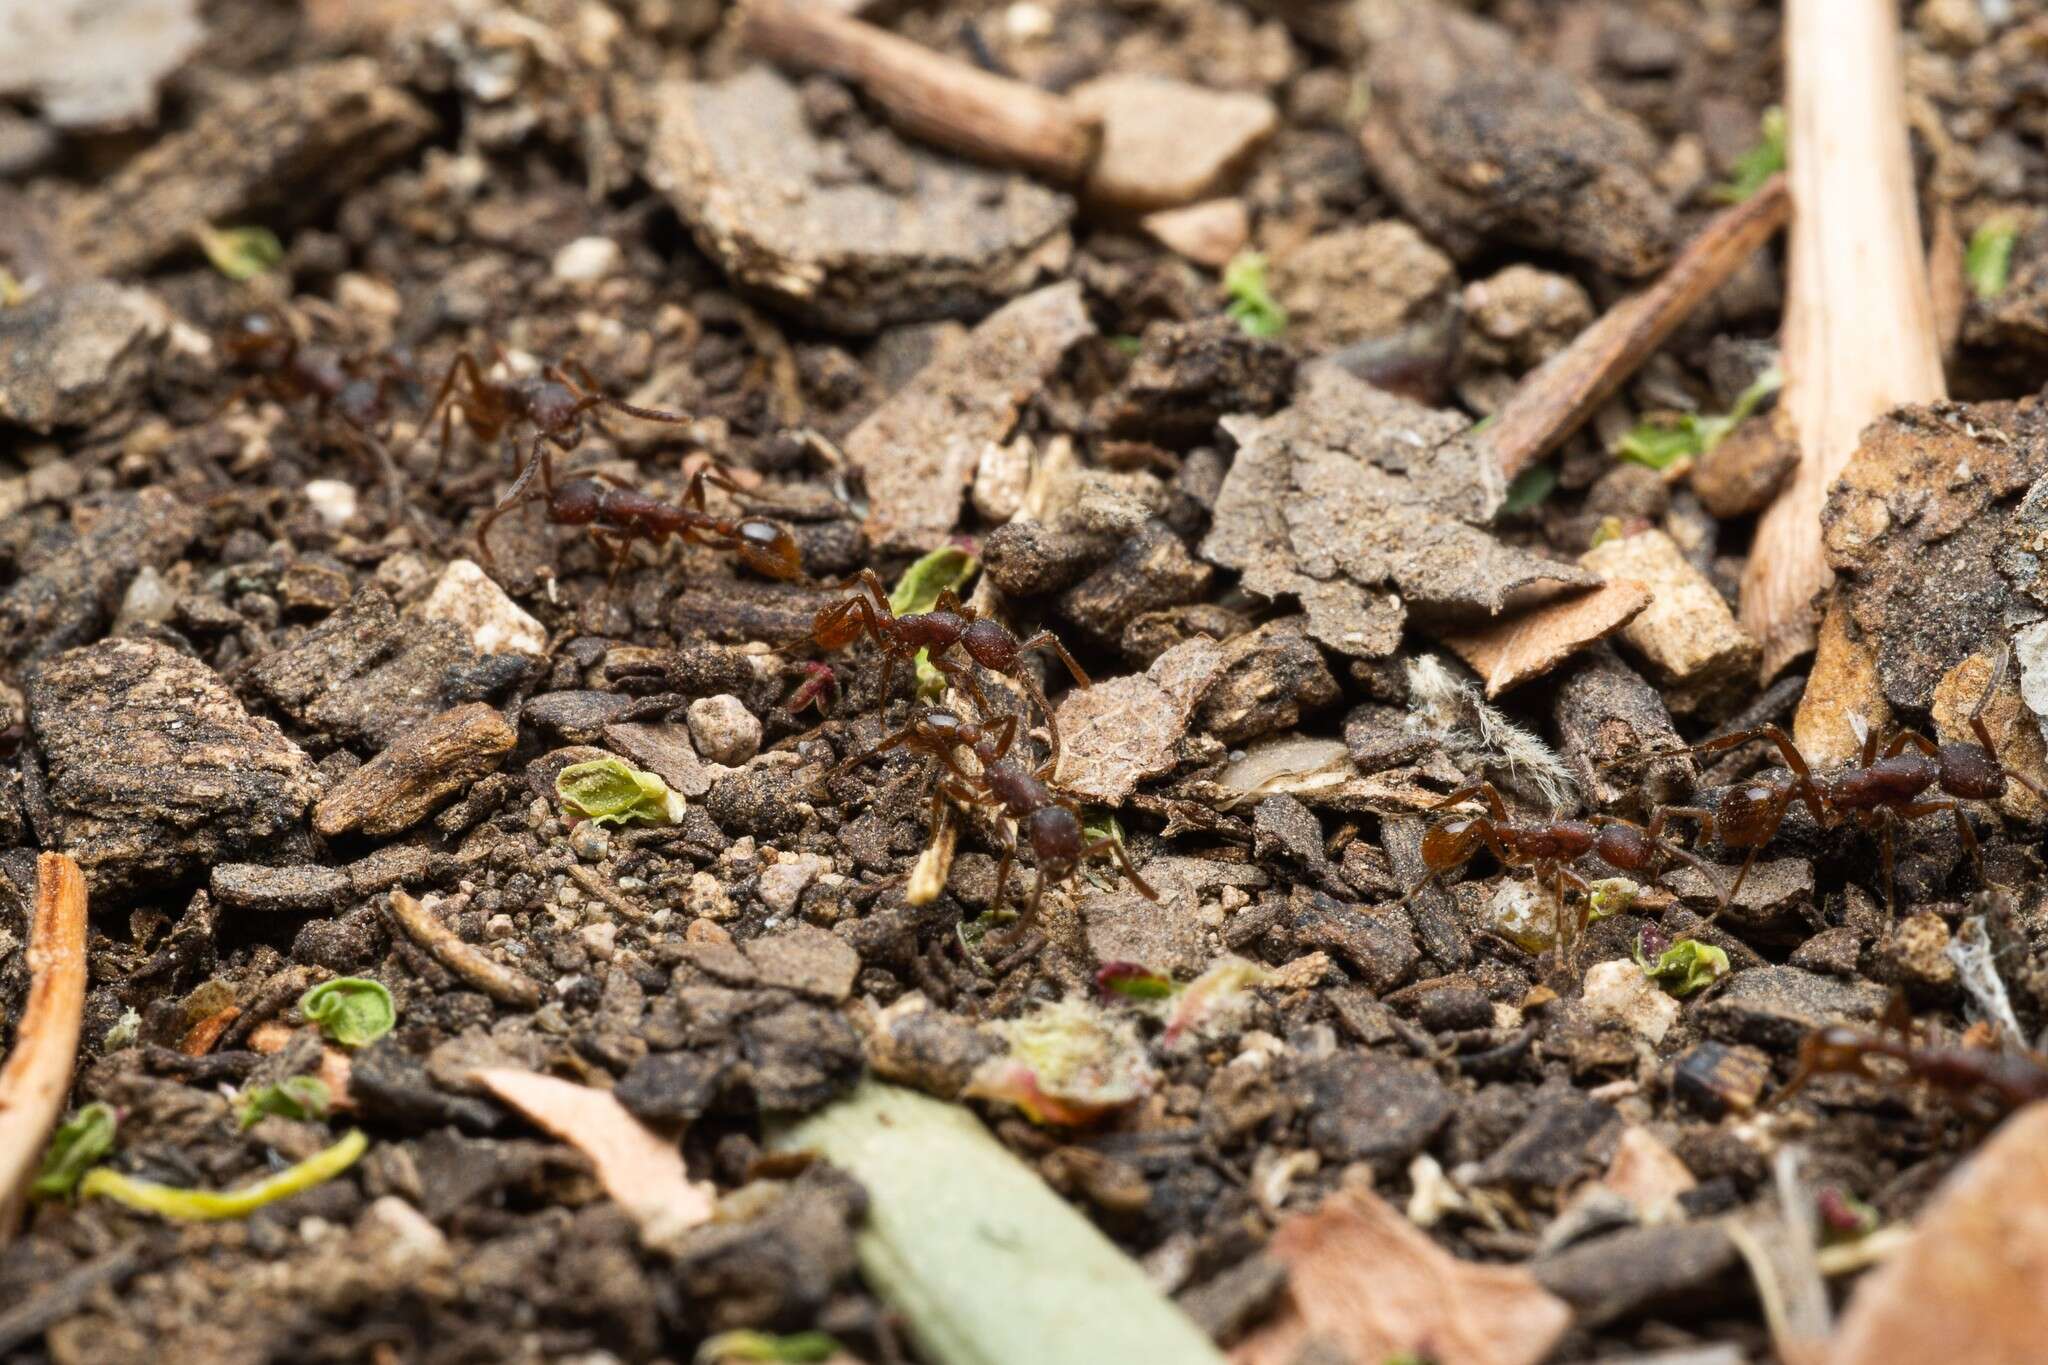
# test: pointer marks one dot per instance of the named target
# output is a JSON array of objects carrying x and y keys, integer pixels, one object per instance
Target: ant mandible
[
  {"x": 950, "y": 622},
  {"x": 1547, "y": 846},
  {"x": 1051, "y": 826}
]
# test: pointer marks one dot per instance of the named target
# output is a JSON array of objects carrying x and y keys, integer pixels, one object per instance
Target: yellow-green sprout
[{"x": 211, "y": 1206}]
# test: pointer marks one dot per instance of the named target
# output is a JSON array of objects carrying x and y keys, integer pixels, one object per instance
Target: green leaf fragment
[
  {"x": 301, "y": 1097},
  {"x": 1662, "y": 443},
  {"x": 80, "y": 1142},
  {"x": 1759, "y": 163},
  {"x": 610, "y": 792},
  {"x": 1611, "y": 896},
  {"x": 1251, "y": 300},
  {"x": 1987, "y": 264},
  {"x": 1068, "y": 1065},
  {"x": 1685, "y": 967},
  {"x": 351, "y": 1010},
  {"x": 986, "y": 1265},
  {"x": 211, "y": 1206},
  {"x": 919, "y": 590},
  {"x": 240, "y": 253},
  {"x": 799, "y": 1348},
  {"x": 1529, "y": 489}
]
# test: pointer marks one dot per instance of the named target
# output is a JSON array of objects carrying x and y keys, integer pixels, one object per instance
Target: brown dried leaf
[
  {"x": 1980, "y": 1253},
  {"x": 1361, "y": 1276},
  {"x": 1531, "y": 644},
  {"x": 641, "y": 1171}
]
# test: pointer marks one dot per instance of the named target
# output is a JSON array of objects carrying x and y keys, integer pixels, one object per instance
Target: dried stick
[
  {"x": 1559, "y": 397},
  {"x": 1860, "y": 337},
  {"x": 37, "y": 1076},
  {"x": 928, "y": 95}
]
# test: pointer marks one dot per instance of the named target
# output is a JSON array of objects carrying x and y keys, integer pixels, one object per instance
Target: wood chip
[
  {"x": 37, "y": 1076},
  {"x": 1980, "y": 1252},
  {"x": 475, "y": 966},
  {"x": 641, "y": 1171},
  {"x": 1688, "y": 635},
  {"x": 1531, "y": 644},
  {"x": 1362, "y": 1277},
  {"x": 422, "y": 770}
]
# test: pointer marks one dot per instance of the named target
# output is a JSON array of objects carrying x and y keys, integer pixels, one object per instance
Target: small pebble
[
  {"x": 587, "y": 259},
  {"x": 725, "y": 731},
  {"x": 599, "y": 939},
  {"x": 591, "y": 841},
  {"x": 333, "y": 501},
  {"x": 782, "y": 885}
]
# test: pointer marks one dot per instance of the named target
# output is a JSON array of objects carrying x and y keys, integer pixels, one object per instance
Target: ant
[
  {"x": 1878, "y": 791},
  {"x": 950, "y": 622},
  {"x": 1050, "y": 825},
  {"x": 1547, "y": 846},
  {"x": 1982, "y": 1081},
  {"x": 619, "y": 516},
  {"x": 262, "y": 345}
]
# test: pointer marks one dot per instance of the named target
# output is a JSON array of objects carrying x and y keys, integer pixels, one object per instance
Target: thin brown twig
[
  {"x": 37, "y": 1076},
  {"x": 929, "y": 95},
  {"x": 1564, "y": 392}
]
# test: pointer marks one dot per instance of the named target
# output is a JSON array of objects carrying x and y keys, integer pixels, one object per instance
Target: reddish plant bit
[
  {"x": 1985, "y": 1083},
  {"x": 1131, "y": 981},
  {"x": 1883, "y": 788},
  {"x": 819, "y": 683},
  {"x": 1547, "y": 846},
  {"x": 1051, "y": 826},
  {"x": 1843, "y": 1215},
  {"x": 949, "y": 624}
]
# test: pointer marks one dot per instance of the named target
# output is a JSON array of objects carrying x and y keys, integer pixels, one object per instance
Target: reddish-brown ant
[
  {"x": 1547, "y": 846},
  {"x": 1980, "y": 1080},
  {"x": 1881, "y": 789},
  {"x": 619, "y": 516},
  {"x": 1051, "y": 826},
  {"x": 950, "y": 622}
]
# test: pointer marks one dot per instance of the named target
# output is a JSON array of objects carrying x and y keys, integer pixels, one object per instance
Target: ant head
[
  {"x": 1624, "y": 846},
  {"x": 1451, "y": 843},
  {"x": 1970, "y": 772},
  {"x": 550, "y": 404},
  {"x": 769, "y": 549},
  {"x": 1056, "y": 840},
  {"x": 258, "y": 341},
  {"x": 577, "y": 503}
]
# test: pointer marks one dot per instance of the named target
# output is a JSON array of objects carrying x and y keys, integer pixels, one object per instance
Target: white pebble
[
  {"x": 1620, "y": 991},
  {"x": 587, "y": 259},
  {"x": 332, "y": 500},
  {"x": 782, "y": 885},
  {"x": 725, "y": 730},
  {"x": 496, "y": 624}
]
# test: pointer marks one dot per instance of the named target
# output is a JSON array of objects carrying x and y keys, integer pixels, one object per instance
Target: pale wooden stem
[
  {"x": 1558, "y": 397},
  {"x": 928, "y": 95},
  {"x": 37, "y": 1076},
  {"x": 1860, "y": 336}
]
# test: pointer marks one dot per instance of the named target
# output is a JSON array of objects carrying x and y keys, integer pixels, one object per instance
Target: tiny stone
[
  {"x": 467, "y": 596},
  {"x": 780, "y": 887},
  {"x": 587, "y": 259},
  {"x": 725, "y": 731},
  {"x": 590, "y": 841},
  {"x": 1366, "y": 1108},
  {"x": 1778, "y": 1006},
  {"x": 1619, "y": 990},
  {"x": 332, "y": 500},
  {"x": 302, "y": 889},
  {"x": 1916, "y": 954}
]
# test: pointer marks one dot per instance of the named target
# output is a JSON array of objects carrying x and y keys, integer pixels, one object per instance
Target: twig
[
  {"x": 930, "y": 96},
  {"x": 37, "y": 1076},
  {"x": 473, "y": 965},
  {"x": 1565, "y": 390},
  {"x": 1860, "y": 337}
]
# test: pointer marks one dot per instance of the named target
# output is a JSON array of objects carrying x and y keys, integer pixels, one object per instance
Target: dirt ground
[{"x": 261, "y": 678}]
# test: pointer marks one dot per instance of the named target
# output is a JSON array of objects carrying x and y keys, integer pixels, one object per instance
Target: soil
[{"x": 241, "y": 683}]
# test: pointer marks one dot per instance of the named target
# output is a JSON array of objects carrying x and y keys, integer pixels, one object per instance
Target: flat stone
[
  {"x": 1379, "y": 947},
  {"x": 1688, "y": 635},
  {"x": 782, "y": 212},
  {"x": 1167, "y": 935},
  {"x": 1620, "y": 991},
  {"x": 780, "y": 887},
  {"x": 1553, "y": 1146},
  {"x": 1770, "y": 898},
  {"x": 471, "y": 599},
  {"x": 1363, "y": 1107},
  {"x": 577, "y": 717},
  {"x": 426, "y": 767},
  {"x": 74, "y": 353},
  {"x": 804, "y": 959},
  {"x": 917, "y": 451},
  {"x": 1123, "y": 731},
  {"x": 1165, "y": 142},
  {"x": 1775, "y": 1007},
  {"x": 671, "y": 1088},
  {"x": 301, "y": 889},
  {"x": 97, "y": 66},
  {"x": 154, "y": 771},
  {"x": 1361, "y": 283},
  {"x": 1640, "y": 1271},
  {"x": 67, "y": 597},
  {"x": 1186, "y": 375},
  {"x": 1744, "y": 470},
  {"x": 664, "y": 749},
  {"x": 1209, "y": 233},
  {"x": 1270, "y": 678}
]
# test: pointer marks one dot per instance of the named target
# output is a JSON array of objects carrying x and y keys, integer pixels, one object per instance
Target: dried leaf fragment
[
  {"x": 642, "y": 1172},
  {"x": 1536, "y": 641},
  {"x": 1363, "y": 1277},
  {"x": 1122, "y": 731}
]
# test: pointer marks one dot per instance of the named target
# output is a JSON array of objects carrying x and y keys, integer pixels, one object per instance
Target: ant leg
[
  {"x": 1904, "y": 738},
  {"x": 995, "y": 902},
  {"x": 1963, "y": 830},
  {"x": 521, "y": 491},
  {"x": 1045, "y": 639},
  {"x": 1891, "y": 888},
  {"x": 1007, "y": 735},
  {"x": 1037, "y": 896},
  {"x": 620, "y": 546},
  {"x": 1747, "y": 864},
  {"x": 1115, "y": 847},
  {"x": 1052, "y": 722},
  {"x": 1699, "y": 813},
  {"x": 1484, "y": 791},
  {"x": 895, "y": 741},
  {"x": 1983, "y": 733},
  {"x": 463, "y": 367}
]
